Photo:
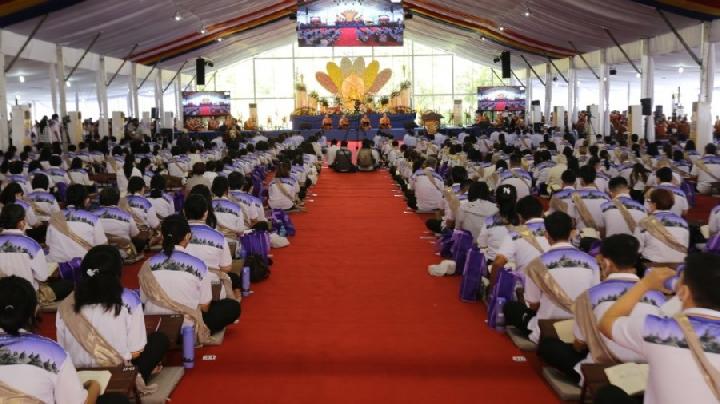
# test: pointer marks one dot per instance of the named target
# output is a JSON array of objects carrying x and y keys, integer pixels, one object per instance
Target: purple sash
[
  {"x": 470, "y": 285},
  {"x": 501, "y": 293},
  {"x": 280, "y": 218},
  {"x": 461, "y": 242},
  {"x": 68, "y": 270},
  {"x": 443, "y": 245},
  {"x": 257, "y": 185},
  {"x": 713, "y": 244}
]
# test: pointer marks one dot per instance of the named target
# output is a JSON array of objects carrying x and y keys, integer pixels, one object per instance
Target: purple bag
[
  {"x": 280, "y": 218},
  {"x": 713, "y": 244},
  {"x": 461, "y": 242},
  {"x": 179, "y": 201},
  {"x": 443, "y": 245},
  {"x": 689, "y": 192},
  {"x": 475, "y": 265},
  {"x": 68, "y": 270},
  {"x": 257, "y": 242},
  {"x": 502, "y": 292}
]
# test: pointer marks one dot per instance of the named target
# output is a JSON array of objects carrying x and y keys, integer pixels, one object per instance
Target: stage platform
[
  {"x": 350, "y": 135},
  {"x": 397, "y": 121}
]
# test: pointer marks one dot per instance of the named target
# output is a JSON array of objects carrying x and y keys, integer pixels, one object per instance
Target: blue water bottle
[
  {"x": 188, "y": 341},
  {"x": 282, "y": 232},
  {"x": 246, "y": 281},
  {"x": 500, "y": 313}
]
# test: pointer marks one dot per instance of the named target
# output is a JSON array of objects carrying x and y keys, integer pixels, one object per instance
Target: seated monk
[
  {"x": 365, "y": 123},
  {"x": 344, "y": 122},
  {"x": 385, "y": 122},
  {"x": 327, "y": 122}
]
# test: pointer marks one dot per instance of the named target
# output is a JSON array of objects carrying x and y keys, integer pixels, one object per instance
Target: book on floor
[{"x": 631, "y": 377}]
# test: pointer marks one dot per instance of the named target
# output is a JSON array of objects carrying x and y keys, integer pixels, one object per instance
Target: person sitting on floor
[
  {"x": 622, "y": 214},
  {"x": 142, "y": 209},
  {"x": 707, "y": 169},
  {"x": 120, "y": 227},
  {"x": 283, "y": 190},
  {"x": 428, "y": 187},
  {"x": 230, "y": 216},
  {"x": 253, "y": 210},
  {"x": 516, "y": 176},
  {"x": 74, "y": 231},
  {"x": 13, "y": 193},
  {"x": 665, "y": 177},
  {"x": 571, "y": 273},
  {"x": 562, "y": 198},
  {"x": 452, "y": 199},
  {"x": 587, "y": 201},
  {"x": 43, "y": 202},
  {"x": 162, "y": 201},
  {"x": 54, "y": 382},
  {"x": 100, "y": 305},
  {"x": 198, "y": 177},
  {"x": 617, "y": 259},
  {"x": 24, "y": 257},
  {"x": 495, "y": 228},
  {"x": 367, "y": 158},
  {"x": 343, "y": 159},
  {"x": 211, "y": 246},
  {"x": 680, "y": 349},
  {"x": 472, "y": 213},
  {"x": 174, "y": 279},
  {"x": 332, "y": 149},
  {"x": 663, "y": 235}
]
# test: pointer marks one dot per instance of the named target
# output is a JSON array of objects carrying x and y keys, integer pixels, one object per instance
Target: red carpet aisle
[{"x": 350, "y": 315}]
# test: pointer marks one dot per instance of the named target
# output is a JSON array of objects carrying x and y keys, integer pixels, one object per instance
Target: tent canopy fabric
[{"x": 232, "y": 30}]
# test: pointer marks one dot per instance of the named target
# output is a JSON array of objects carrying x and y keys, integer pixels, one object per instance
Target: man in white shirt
[
  {"x": 587, "y": 201},
  {"x": 707, "y": 169},
  {"x": 409, "y": 139},
  {"x": 614, "y": 220},
  {"x": 43, "y": 202},
  {"x": 675, "y": 374},
  {"x": 526, "y": 242},
  {"x": 55, "y": 128},
  {"x": 669, "y": 243},
  {"x": 665, "y": 178},
  {"x": 619, "y": 255},
  {"x": 571, "y": 269},
  {"x": 517, "y": 177},
  {"x": 428, "y": 186}
]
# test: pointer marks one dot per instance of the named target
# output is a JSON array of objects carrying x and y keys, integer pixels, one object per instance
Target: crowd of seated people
[
  {"x": 318, "y": 36},
  {"x": 72, "y": 222},
  {"x": 380, "y": 34},
  {"x": 590, "y": 230}
]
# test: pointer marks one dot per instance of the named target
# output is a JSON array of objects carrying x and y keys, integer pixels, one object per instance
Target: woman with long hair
[
  {"x": 162, "y": 201},
  {"x": 638, "y": 182},
  {"x": 113, "y": 312},
  {"x": 13, "y": 193},
  {"x": 494, "y": 229}
]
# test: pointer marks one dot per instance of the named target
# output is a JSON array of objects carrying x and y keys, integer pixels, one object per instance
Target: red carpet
[
  {"x": 348, "y": 37},
  {"x": 350, "y": 315}
]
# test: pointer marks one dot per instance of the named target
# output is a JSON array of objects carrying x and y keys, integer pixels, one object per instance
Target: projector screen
[
  {"x": 326, "y": 23},
  {"x": 205, "y": 103},
  {"x": 501, "y": 98}
]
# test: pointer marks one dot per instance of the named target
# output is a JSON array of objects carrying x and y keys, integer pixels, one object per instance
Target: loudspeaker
[
  {"x": 154, "y": 113},
  {"x": 200, "y": 71},
  {"x": 535, "y": 102},
  {"x": 506, "y": 69},
  {"x": 646, "y": 106}
]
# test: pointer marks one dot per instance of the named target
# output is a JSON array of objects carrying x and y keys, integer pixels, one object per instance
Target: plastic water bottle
[
  {"x": 282, "y": 232},
  {"x": 246, "y": 281},
  {"x": 188, "y": 341},
  {"x": 500, "y": 316}
]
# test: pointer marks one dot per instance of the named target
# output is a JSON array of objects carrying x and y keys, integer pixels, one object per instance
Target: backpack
[
  {"x": 259, "y": 270},
  {"x": 365, "y": 158}
]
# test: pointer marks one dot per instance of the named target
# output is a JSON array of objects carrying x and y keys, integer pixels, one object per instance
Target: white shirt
[
  {"x": 164, "y": 206},
  {"x": 573, "y": 270},
  {"x": 124, "y": 332},
  {"x": 594, "y": 201},
  {"x": 516, "y": 249},
  {"x": 229, "y": 215},
  {"x": 492, "y": 234},
  {"x": 183, "y": 277},
  {"x": 471, "y": 215},
  {"x": 22, "y": 256},
  {"x": 46, "y": 203},
  {"x": 331, "y": 154},
  {"x": 655, "y": 250},
  {"x": 714, "y": 220},
  {"x": 674, "y": 375},
  {"x": 613, "y": 220},
  {"x": 144, "y": 211},
  {"x": 61, "y": 386},
  {"x": 117, "y": 222},
  {"x": 409, "y": 140},
  {"x": 602, "y": 297},
  {"x": 428, "y": 193},
  {"x": 85, "y": 225},
  {"x": 211, "y": 247},
  {"x": 278, "y": 199}
]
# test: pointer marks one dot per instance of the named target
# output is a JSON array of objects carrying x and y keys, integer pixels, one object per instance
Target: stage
[
  {"x": 397, "y": 121},
  {"x": 350, "y": 135}
]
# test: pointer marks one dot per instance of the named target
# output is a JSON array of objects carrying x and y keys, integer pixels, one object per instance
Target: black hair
[
  {"x": 236, "y": 180},
  {"x": 55, "y": 160},
  {"x": 99, "y": 280},
  {"x": 702, "y": 276},
  {"x": 458, "y": 174},
  {"x": 588, "y": 174},
  {"x": 18, "y": 302},
  {"x": 40, "y": 181},
  {"x": 505, "y": 199},
  {"x": 135, "y": 184},
  {"x": 157, "y": 186},
  {"x": 109, "y": 196},
  {"x": 710, "y": 148},
  {"x": 220, "y": 186},
  {"x": 664, "y": 174},
  {"x": 478, "y": 190},
  {"x": 128, "y": 165},
  {"x": 568, "y": 177},
  {"x": 616, "y": 183},
  {"x": 76, "y": 195},
  {"x": 198, "y": 168},
  {"x": 529, "y": 207},
  {"x": 16, "y": 167},
  {"x": 195, "y": 207},
  {"x": 174, "y": 229},
  {"x": 76, "y": 163},
  {"x": 203, "y": 191},
  {"x": 558, "y": 225},
  {"x": 9, "y": 194},
  {"x": 11, "y": 215},
  {"x": 621, "y": 249}
]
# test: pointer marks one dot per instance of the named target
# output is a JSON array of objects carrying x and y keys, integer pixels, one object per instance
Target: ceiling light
[
  {"x": 203, "y": 30},
  {"x": 638, "y": 75},
  {"x": 502, "y": 28},
  {"x": 67, "y": 83},
  {"x": 178, "y": 17},
  {"x": 527, "y": 12},
  {"x": 22, "y": 79},
  {"x": 604, "y": 78},
  {"x": 482, "y": 38},
  {"x": 219, "y": 39},
  {"x": 681, "y": 69},
  {"x": 522, "y": 88}
]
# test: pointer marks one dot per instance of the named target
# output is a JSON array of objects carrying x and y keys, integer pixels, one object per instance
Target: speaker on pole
[
  {"x": 505, "y": 60},
  {"x": 154, "y": 113},
  {"x": 200, "y": 71},
  {"x": 646, "y": 106}
]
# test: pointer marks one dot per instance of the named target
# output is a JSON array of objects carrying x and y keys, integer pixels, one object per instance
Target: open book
[
  {"x": 631, "y": 377},
  {"x": 100, "y": 376},
  {"x": 564, "y": 330}
]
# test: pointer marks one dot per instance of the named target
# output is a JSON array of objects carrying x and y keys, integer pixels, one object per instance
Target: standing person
[
  {"x": 53, "y": 377},
  {"x": 55, "y": 128},
  {"x": 101, "y": 306}
]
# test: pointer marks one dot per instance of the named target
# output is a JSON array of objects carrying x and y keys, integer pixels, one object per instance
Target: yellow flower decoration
[{"x": 353, "y": 80}]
